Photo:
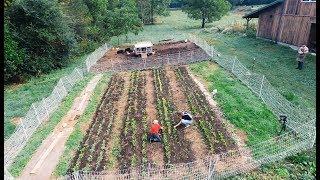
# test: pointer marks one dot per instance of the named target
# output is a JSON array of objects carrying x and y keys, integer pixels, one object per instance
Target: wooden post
[
  {"x": 247, "y": 28},
  {"x": 261, "y": 86}
]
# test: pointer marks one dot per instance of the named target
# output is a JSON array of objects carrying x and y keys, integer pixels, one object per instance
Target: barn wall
[
  {"x": 295, "y": 22},
  {"x": 268, "y": 23},
  {"x": 296, "y": 30},
  {"x": 297, "y": 7}
]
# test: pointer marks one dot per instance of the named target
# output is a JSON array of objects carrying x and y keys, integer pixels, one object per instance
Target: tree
[
  {"x": 13, "y": 56},
  {"x": 149, "y": 8},
  {"x": 206, "y": 10},
  {"x": 41, "y": 28}
]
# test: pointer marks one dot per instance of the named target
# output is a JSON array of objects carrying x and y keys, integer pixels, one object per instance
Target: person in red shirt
[{"x": 155, "y": 132}]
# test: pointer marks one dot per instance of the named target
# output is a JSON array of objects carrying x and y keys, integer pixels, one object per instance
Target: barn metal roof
[{"x": 255, "y": 13}]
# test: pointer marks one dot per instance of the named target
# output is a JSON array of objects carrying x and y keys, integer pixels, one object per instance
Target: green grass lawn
[
  {"x": 46, "y": 128},
  {"x": 19, "y": 97},
  {"x": 78, "y": 133},
  {"x": 238, "y": 103}
]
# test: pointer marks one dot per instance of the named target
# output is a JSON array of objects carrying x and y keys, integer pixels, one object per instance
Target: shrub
[
  {"x": 13, "y": 56},
  {"x": 43, "y": 31}
]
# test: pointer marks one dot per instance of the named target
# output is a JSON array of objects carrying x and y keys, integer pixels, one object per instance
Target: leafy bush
[
  {"x": 43, "y": 31},
  {"x": 251, "y": 31},
  {"x": 13, "y": 56}
]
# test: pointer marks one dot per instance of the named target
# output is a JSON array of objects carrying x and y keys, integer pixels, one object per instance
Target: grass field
[
  {"x": 45, "y": 129},
  {"x": 78, "y": 133},
  {"x": 19, "y": 97}
]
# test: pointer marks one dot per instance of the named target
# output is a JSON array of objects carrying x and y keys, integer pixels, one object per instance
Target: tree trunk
[{"x": 203, "y": 22}]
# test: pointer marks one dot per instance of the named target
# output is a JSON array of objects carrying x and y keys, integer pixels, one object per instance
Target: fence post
[
  {"x": 234, "y": 61},
  {"x": 145, "y": 62},
  {"x": 45, "y": 107},
  {"x": 212, "y": 51},
  {"x": 64, "y": 88},
  {"x": 168, "y": 61},
  {"x": 35, "y": 111},
  {"x": 260, "y": 92},
  {"x": 179, "y": 56},
  {"x": 23, "y": 128}
]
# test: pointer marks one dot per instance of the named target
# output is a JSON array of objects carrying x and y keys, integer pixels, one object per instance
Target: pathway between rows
[
  {"x": 155, "y": 150},
  {"x": 45, "y": 159}
]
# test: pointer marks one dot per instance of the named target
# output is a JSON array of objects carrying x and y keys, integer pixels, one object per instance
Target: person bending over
[{"x": 186, "y": 120}]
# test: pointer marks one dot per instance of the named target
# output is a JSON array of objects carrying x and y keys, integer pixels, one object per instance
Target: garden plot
[
  {"x": 151, "y": 94},
  {"x": 166, "y": 53}
]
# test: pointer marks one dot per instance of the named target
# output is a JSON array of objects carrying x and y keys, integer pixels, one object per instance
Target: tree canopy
[
  {"x": 41, "y": 35},
  {"x": 206, "y": 10}
]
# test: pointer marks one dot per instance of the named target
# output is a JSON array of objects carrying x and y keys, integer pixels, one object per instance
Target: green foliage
[
  {"x": 13, "y": 56},
  {"x": 239, "y": 104},
  {"x": 40, "y": 28},
  {"x": 150, "y": 8},
  {"x": 206, "y": 10},
  {"x": 41, "y": 35},
  {"x": 123, "y": 18}
]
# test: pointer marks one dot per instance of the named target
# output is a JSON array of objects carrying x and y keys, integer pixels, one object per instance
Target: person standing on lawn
[
  {"x": 155, "y": 132},
  {"x": 302, "y": 52}
]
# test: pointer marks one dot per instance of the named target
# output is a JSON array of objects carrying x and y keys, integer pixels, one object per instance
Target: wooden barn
[{"x": 287, "y": 21}]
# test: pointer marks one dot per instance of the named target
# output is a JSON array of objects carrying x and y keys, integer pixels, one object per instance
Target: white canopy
[{"x": 143, "y": 44}]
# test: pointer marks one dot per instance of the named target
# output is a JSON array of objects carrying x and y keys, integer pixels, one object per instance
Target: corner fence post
[
  {"x": 23, "y": 128},
  {"x": 234, "y": 61},
  {"x": 260, "y": 92},
  {"x": 37, "y": 115},
  {"x": 211, "y": 51}
]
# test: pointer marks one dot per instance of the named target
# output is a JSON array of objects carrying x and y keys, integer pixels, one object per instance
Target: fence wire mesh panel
[
  {"x": 40, "y": 111},
  {"x": 300, "y": 136}
]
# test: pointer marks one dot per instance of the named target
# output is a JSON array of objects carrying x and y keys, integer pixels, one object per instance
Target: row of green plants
[
  {"x": 213, "y": 131},
  {"x": 92, "y": 153},
  {"x": 134, "y": 134},
  {"x": 176, "y": 147}
]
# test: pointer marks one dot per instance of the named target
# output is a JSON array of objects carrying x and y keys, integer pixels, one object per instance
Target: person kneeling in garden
[
  {"x": 186, "y": 120},
  {"x": 155, "y": 132}
]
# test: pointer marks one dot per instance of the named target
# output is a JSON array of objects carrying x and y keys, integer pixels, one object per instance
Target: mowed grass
[
  {"x": 19, "y": 97},
  {"x": 239, "y": 104},
  {"x": 78, "y": 133},
  {"x": 276, "y": 62},
  {"x": 46, "y": 128}
]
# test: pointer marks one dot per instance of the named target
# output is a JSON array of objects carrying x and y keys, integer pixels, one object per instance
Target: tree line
[
  {"x": 180, "y": 3},
  {"x": 42, "y": 35}
]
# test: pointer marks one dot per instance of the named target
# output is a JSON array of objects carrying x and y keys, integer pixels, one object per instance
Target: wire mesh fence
[
  {"x": 41, "y": 110},
  {"x": 300, "y": 136}
]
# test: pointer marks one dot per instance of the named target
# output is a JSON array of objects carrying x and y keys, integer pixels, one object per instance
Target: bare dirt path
[
  {"x": 191, "y": 133},
  {"x": 114, "y": 140},
  {"x": 47, "y": 156},
  {"x": 154, "y": 150}
]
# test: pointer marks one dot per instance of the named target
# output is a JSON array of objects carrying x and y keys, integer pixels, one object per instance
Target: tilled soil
[
  {"x": 191, "y": 133},
  {"x": 154, "y": 150},
  {"x": 117, "y": 135},
  {"x": 166, "y": 53}
]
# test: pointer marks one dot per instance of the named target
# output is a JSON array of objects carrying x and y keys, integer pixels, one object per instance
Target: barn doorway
[{"x": 312, "y": 38}]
